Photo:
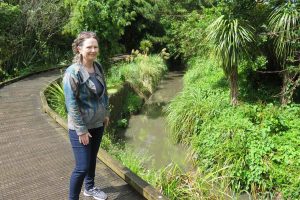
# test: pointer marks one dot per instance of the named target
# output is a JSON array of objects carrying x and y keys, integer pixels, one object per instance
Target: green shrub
[{"x": 122, "y": 123}]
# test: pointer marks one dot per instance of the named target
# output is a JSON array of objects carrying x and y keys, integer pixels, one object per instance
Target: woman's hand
[
  {"x": 85, "y": 138},
  {"x": 106, "y": 121}
]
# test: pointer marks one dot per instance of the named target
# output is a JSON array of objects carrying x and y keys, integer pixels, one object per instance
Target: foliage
[
  {"x": 185, "y": 109},
  {"x": 145, "y": 46},
  {"x": 9, "y": 14},
  {"x": 143, "y": 73},
  {"x": 171, "y": 180},
  {"x": 107, "y": 18},
  {"x": 56, "y": 98},
  {"x": 284, "y": 22},
  {"x": 184, "y": 24},
  {"x": 131, "y": 159},
  {"x": 122, "y": 123},
  {"x": 31, "y": 35},
  {"x": 132, "y": 104},
  {"x": 164, "y": 54},
  {"x": 230, "y": 38},
  {"x": 256, "y": 143}
]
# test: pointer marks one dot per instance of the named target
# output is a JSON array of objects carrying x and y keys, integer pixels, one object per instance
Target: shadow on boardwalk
[{"x": 36, "y": 158}]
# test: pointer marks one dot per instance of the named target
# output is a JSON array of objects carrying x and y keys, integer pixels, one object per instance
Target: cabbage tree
[
  {"x": 230, "y": 38},
  {"x": 284, "y": 23}
]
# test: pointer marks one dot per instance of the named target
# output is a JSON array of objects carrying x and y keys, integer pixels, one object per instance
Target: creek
[{"x": 148, "y": 133}]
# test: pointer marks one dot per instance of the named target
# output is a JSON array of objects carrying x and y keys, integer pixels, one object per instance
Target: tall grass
[{"x": 196, "y": 103}]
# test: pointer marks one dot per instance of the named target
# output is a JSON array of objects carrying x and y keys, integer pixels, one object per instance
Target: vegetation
[
  {"x": 141, "y": 71},
  {"x": 31, "y": 36},
  {"x": 171, "y": 180},
  {"x": 56, "y": 98},
  {"x": 255, "y": 143}
]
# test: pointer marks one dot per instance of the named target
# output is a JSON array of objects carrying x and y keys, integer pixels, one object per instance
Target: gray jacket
[{"x": 86, "y": 109}]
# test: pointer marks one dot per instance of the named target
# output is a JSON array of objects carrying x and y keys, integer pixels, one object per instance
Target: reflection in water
[{"x": 148, "y": 133}]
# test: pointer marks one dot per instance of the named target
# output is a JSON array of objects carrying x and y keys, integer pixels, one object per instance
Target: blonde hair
[{"x": 78, "y": 43}]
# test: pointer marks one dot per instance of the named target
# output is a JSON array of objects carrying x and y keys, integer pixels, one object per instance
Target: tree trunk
[
  {"x": 284, "y": 89},
  {"x": 234, "y": 87}
]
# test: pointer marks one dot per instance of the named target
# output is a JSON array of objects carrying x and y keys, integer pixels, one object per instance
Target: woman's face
[{"x": 89, "y": 49}]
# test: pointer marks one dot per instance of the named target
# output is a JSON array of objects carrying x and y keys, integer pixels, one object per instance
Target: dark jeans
[{"x": 85, "y": 158}]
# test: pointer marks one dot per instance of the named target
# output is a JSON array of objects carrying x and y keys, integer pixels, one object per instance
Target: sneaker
[{"x": 96, "y": 193}]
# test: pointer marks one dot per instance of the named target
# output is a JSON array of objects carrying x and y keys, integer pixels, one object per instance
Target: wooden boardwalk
[{"x": 36, "y": 159}]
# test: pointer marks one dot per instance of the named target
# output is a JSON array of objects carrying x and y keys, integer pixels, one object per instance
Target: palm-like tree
[
  {"x": 230, "y": 38},
  {"x": 284, "y": 22}
]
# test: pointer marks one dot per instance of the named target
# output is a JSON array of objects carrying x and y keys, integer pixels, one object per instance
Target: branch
[{"x": 271, "y": 72}]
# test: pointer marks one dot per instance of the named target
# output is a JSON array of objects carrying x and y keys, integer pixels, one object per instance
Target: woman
[{"x": 88, "y": 113}]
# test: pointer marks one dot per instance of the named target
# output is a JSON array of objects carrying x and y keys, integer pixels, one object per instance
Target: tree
[
  {"x": 284, "y": 23},
  {"x": 230, "y": 38},
  {"x": 107, "y": 18},
  {"x": 30, "y": 34}
]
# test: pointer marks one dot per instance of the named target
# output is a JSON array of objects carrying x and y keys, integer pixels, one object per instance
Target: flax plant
[{"x": 56, "y": 99}]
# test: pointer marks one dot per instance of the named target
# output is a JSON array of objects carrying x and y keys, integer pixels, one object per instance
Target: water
[{"x": 148, "y": 132}]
